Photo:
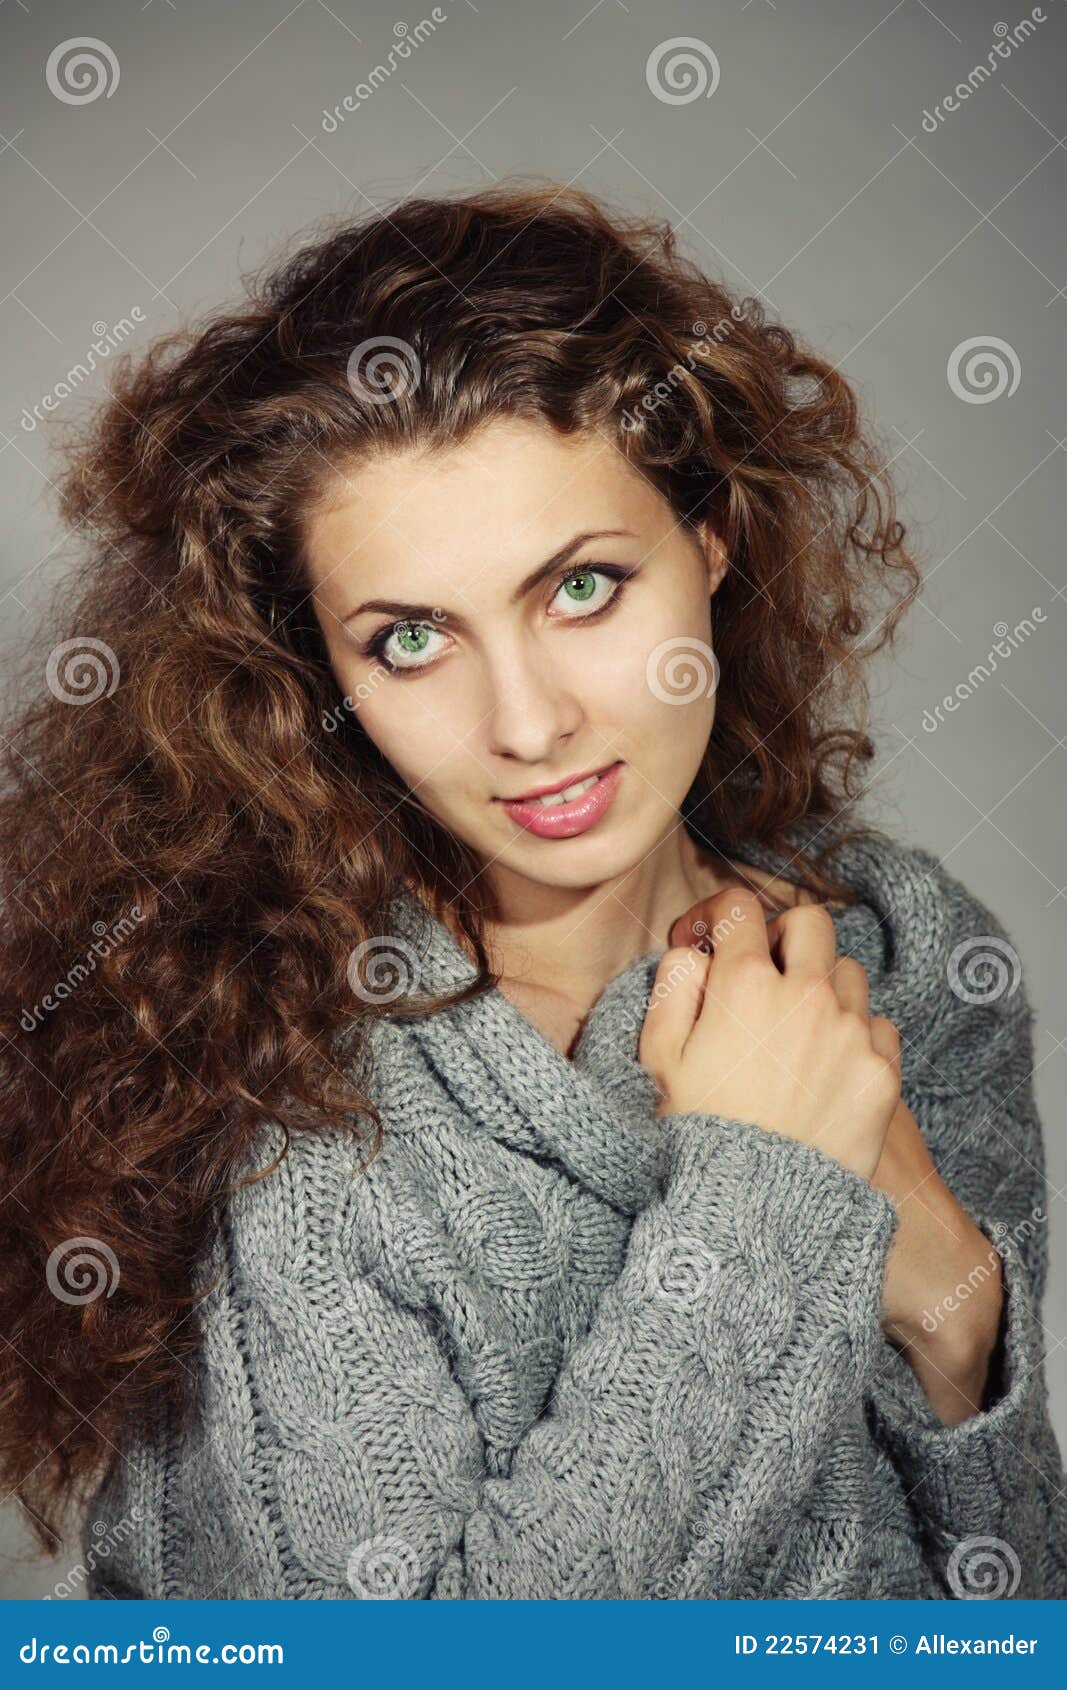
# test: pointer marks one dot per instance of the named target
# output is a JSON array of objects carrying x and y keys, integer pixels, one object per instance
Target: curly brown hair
[{"x": 172, "y": 786}]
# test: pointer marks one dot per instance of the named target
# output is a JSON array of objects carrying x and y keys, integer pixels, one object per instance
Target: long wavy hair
[{"x": 197, "y": 840}]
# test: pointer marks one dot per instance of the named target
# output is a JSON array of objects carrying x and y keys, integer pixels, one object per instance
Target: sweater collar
[{"x": 593, "y": 1113}]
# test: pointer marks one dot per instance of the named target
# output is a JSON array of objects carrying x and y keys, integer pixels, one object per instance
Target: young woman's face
[{"x": 479, "y": 684}]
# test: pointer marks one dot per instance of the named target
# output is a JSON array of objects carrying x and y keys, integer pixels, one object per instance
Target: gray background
[{"x": 806, "y": 178}]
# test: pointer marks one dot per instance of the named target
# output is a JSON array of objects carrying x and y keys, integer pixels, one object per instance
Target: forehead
[{"x": 511, "y": 493}]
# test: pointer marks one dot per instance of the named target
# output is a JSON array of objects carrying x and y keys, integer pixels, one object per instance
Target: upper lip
[{"x": 559, "y": 785}]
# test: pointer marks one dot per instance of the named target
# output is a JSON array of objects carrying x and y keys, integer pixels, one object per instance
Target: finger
[
  {"x": 692, "y": 927},
  {"x": 674, "y": 1004},
  {"x": 733, "y": 921},
  {"x": 885, "y": 1039},
  {"x": 849, "y": 979},
  {"x": 804, "y": 940}
]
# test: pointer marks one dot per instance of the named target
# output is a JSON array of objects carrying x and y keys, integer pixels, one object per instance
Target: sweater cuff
[
  {"x": 963, "y": 1473},
  {"x": 771, "y": 1198}
]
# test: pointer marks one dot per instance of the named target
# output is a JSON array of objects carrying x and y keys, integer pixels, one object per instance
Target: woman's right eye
[{"x": 413, "y": 637}]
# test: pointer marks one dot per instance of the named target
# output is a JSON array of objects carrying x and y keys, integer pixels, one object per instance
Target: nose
[{"x": 532, "y": 702}]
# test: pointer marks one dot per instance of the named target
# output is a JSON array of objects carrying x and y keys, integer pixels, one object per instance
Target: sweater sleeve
[
  {"x": 677, "y": 1450},
  {"x": 989, "y": 1492}
]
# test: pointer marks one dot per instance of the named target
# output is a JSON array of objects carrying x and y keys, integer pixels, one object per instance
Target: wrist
[
  {"x": 956, "y": 1387},
  {"x": 948, "y": 1282},
  {"x": 951, "y": 1347}
]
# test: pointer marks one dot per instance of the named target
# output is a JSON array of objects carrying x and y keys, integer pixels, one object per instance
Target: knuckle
[
  {"x": 888, "y": 1031},
  {"x": 883, "y": 1068},
  {"x": 734, "y": 904},
  {"x": 815, "y": 915},
  {"x": 820, "y": 996},
  {"x": 855, "y": 1024},
  {"x": 743, "y": 896}
]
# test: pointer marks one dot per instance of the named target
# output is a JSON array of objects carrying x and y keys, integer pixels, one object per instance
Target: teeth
[{"x": 568, "y": 795}]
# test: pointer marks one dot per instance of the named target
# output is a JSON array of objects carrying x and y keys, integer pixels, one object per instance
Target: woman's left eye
[{"x": 582, "y": 588}]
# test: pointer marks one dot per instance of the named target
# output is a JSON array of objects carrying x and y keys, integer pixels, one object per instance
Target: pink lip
[
  {"x": 559, "y": 785},
  {"x": 563, "y": 821}
]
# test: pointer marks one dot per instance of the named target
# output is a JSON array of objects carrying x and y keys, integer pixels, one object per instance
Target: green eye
[
  {"x": 586, "y": 585},
  {"x": 411, "y": 638},
  {"x": 581, "y": 585}
]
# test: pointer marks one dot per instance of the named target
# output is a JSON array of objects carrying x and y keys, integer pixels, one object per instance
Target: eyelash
[{"x": 375, "y": 646}]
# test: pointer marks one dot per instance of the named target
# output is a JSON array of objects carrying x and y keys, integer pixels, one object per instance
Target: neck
[{"x": 572, "y": 940}]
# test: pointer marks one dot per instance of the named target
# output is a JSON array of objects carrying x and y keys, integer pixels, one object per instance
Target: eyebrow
[{"x": 416, "y": 612}]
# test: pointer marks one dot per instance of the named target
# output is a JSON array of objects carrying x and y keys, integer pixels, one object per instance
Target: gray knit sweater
[{"x": 552, "y": 1346}]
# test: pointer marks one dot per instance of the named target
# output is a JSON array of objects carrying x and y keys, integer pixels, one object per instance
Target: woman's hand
[
  {"x": 741, "y": 1035},
  {"x": 947, "y": 1339}
]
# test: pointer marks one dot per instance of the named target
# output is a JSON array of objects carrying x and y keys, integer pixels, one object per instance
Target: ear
[{"x": 715, "y": 557}]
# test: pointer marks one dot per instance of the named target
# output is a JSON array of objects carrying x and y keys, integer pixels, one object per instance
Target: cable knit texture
[{"x": 552, "y": 1346}]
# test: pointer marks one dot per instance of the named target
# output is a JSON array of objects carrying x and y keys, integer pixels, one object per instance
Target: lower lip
[{"x": 563, "y": 821}]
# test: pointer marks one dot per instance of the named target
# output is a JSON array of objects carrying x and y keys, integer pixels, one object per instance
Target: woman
[{"x": 693, "y": 1269}]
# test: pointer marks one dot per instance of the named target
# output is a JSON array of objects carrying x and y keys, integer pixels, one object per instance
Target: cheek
[
  {"x": 682, "y": 672},
  {"x": 669, "y": 739},
  {"x": 662, "y": 677},
  {"x": 424, "y": 743}
]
